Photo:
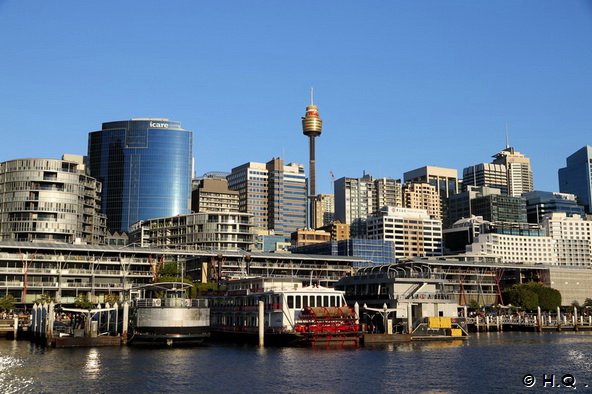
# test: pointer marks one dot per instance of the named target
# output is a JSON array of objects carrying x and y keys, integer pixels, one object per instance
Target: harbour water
[{"x": 487, "y": 362}]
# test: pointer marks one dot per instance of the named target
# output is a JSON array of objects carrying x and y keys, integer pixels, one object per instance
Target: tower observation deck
[{"x": 312, "y": 126}]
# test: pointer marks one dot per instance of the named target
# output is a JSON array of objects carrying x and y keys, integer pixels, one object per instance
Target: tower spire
[
  {"x": 311, "y": 95},
  {"x": 507, "y": 137}
]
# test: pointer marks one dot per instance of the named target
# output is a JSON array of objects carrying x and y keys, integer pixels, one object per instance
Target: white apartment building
[
  {"x": 515, "y": 249},
  {"x": 572, "y": 235},
  {"x": 413, "y": 231}
]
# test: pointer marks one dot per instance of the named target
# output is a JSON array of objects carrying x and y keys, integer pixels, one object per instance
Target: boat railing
[{"x": 172, "y": 303}]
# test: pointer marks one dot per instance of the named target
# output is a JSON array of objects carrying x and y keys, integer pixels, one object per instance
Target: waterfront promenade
[{"x": 530, "y": 322}]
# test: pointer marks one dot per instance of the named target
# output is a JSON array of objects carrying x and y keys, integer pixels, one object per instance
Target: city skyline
[{"x": 401, "y": 86}]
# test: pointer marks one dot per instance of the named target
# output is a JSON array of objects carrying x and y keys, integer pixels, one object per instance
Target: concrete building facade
[
  {"x": 274, "y": 193},
  {"x": 573, "y": 238},
  {"x": 486, "y": 174},
  {"x": 445, "y": 180},
  {"x": 413, "y": 231},
  {"x": 303, "y": 237},
  {"x": 198, "y": 231},
  {"x": 515, "y": 249},
  {"x": 519, "y": 172},
  {"x": 358, "y": 198},
  {"x": 422, "y": 196},
  {"x": 50, "y": 200},
  {"x": 212, "y": 194},
  {"x": 325, "y": 210}
]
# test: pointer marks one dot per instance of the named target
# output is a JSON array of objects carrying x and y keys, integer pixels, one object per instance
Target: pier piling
[{"x": 261, "y": 325}]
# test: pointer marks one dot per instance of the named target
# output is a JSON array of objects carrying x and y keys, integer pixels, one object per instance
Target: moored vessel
[
  {"x": 163, "y": 314},
  {"x": 293, "y": 314}
]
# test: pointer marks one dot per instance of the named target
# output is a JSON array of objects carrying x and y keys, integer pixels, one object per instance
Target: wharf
[
  {"x": 527, "y": 323},
  {"x": 65, "y": 342}
]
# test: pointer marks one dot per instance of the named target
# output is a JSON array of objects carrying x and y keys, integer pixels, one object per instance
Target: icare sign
[{"x": 159, "y": 125}]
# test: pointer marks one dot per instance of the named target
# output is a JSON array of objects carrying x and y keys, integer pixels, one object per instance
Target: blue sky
[{"x": 399, "y": 84}]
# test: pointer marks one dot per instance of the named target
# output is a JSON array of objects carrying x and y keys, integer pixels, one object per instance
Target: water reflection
[
  {"x": 92, "y": 367},
  {"x": 11, "y": 381},
  {"x": 485, "y": 362}
]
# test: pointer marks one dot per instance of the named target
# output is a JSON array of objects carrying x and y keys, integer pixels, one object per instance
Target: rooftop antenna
[
  {"x": 507, "y": 138},
  {"x": 311, "y": 95}
]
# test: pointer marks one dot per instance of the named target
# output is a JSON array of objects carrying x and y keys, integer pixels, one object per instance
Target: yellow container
[
  {"x": 445, "y": 322},
  {"x": 455, "y": 332},
  {"x": 433, "y": 322}
]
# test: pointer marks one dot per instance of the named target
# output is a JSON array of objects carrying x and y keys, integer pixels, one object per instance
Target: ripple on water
[{"x": 10, "y": 379}]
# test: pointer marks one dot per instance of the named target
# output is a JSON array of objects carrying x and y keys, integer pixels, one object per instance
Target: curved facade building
[
  {"x": 50, "y": 200},
  {"x": 145, "y": 168}
]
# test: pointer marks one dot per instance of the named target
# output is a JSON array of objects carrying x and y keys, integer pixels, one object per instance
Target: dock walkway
[{"x": 529, "y": 323}]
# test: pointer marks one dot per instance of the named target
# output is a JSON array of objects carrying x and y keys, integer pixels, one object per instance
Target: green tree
[
  {"x": 7, "y": 302},
  {"x": 111, "y": 298},
  {"x": 170, "y": 273},
  {"x": 588, "y": 303},
  {"x": 549, "y": 298},
  {"x": 474, "y": 304},
  {"x": 83, "y": 302},
  {"x": 44, "y": 298},
  {"x": 521, "y": 296}
]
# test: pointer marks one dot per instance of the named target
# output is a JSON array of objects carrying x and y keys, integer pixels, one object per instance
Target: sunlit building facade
[
  {"x": 50, "y": 200},
  {"x": 145, "y": 167}
]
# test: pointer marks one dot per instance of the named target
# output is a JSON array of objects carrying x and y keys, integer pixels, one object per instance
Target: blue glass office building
[
  {"x": 145, "y": 168},
  {"x": 576, "y": 177}
]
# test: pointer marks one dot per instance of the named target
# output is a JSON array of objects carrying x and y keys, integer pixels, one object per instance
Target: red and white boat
[{"x": 294, "y": 315}]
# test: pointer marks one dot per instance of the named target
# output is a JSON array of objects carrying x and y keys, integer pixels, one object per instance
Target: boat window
[
  {"x": 319, "y": 301},
  {"x": 298, "y": 302},
  {"x": 304, "y": 301},
  {"x": 312, "y": 300},
  {"x": 326, "y": 301},
  {"x": 290, "y": 301}
]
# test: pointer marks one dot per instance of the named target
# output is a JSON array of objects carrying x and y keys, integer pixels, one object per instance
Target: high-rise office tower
[
  {"x": 312, "y": 126},
  {"x": 510, "y": 172},
  {"x": 145, "y": 167},
  {"x": 388, "y": 192},
  {"x": 576, "y": 176},
  {"x": 444, "y": 179},
  {"x": 211, "y": 194},
  {"x": 274, "y": 193},
  {"x": 422, "y": 196},
  {"x": 540, "y": 204},
  {"x": 358, "y": 198},
  {"x": 354, "y": 202},
  {"x": 518, "y": 171},
  {"x": 50, "y": 200},
  {"x": 486, "y": 174},
  {"x": 325, "y": 210},
  {"x": 413, "y": 231}
]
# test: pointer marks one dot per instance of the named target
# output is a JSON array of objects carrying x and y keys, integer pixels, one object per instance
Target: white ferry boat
[
  {"x": 295, "y": 315},
  {"x": 162, "y": 314}
]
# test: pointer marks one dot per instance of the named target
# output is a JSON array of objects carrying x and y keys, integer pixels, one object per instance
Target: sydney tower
[{"x": 312, "y": 126}]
